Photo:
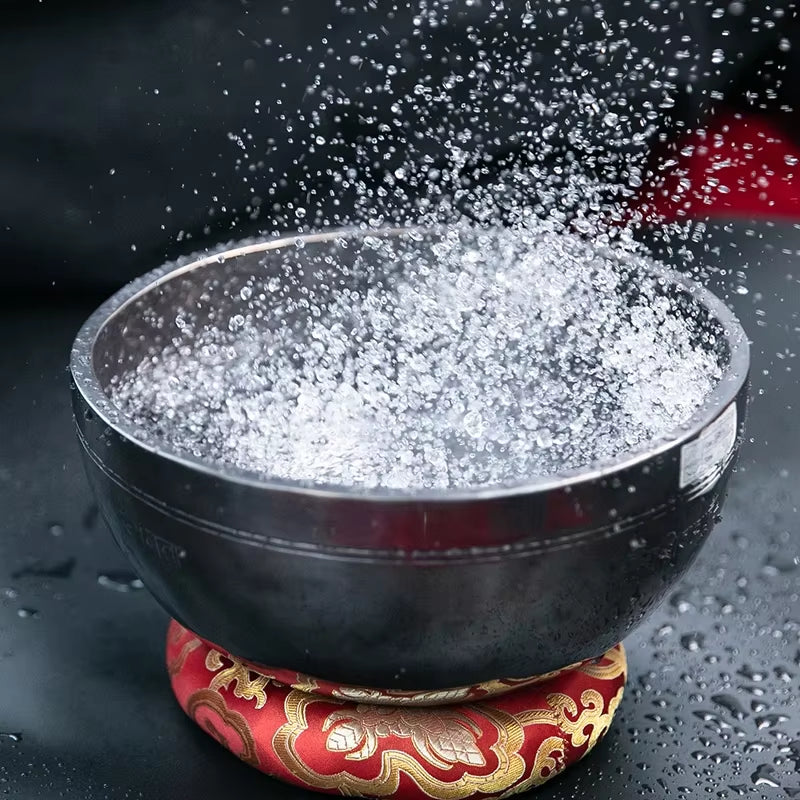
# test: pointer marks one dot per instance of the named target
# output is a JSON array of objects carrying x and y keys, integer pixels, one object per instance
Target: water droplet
[
  {"x": 681, "y": 603},
  {"x": 692, "y": 641},
  {"x": 120, "y": 581},
  {"x": 473, "y": 424},
  {"x": 731, "y": 704},
  {"x": 27, "y": 613},
  {"x": 793, "y": 749},
  {"x": 770, "y": 721},
  {"x": 779, "y": 564},
  {"x": 711, "y": 717},
  {"x": 637, "y": 544},
  {"x": 751, "y": 674},
  {"x": 11, "y": 737},
  {"x": 783, "y": 674},
  {"x": 236, "y": 322},
  {"x": 765, "y": 776},
  {"x": 56, "y": 529}
]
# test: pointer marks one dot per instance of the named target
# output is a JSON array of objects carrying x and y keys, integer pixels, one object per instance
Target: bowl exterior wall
[{"x": 404, "y": 594}]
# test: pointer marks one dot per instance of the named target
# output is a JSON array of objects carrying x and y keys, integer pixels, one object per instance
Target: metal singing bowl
[{"x": 396, "y": 589}]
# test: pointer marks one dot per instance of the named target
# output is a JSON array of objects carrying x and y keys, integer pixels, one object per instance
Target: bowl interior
[
  {"x": 307, "y": 270},
  {"x": 272, "y": 285}
]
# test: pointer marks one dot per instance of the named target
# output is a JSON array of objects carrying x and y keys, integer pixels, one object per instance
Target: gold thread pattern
[
  {"x": 176, "y": 664},
  {"x": 509, "y": 737},
  {"x": 351, "y": 741},
  {"x": 591, "y": 717},
  {"x": 606, "y": 671},
  {"x": 442, "y": 738},
  {"x": 246, "y": 686},
  {"x": 548, "y": 762},
  {"x": 213, "y": 702},
  {"x": 603, "y": 668}
]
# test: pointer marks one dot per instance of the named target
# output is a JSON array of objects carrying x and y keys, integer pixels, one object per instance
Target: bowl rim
[{"x": 88, "y": 385}]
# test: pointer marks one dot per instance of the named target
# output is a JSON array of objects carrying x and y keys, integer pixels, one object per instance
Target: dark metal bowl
[{"x": 393, "y": 589}]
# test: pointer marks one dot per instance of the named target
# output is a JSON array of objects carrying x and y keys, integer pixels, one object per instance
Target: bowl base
[{"x": 498, "y": 738}]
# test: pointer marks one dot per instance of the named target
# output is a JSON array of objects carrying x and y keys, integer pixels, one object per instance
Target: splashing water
[
  {"x": 459, "y": 358},
  {"x": 527, "y": 340}
]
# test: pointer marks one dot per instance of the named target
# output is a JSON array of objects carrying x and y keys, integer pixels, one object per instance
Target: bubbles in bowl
[{"x": 458, "y": 357}]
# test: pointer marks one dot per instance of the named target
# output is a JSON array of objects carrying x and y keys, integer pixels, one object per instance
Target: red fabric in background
[{"x": 737, "y": 167}]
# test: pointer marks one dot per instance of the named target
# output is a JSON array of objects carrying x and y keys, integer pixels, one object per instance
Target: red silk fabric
[
  {"x": 522, "y": 734},
  {"x": 738, "y": 167}
]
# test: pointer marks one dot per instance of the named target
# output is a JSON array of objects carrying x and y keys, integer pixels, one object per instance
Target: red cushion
[{"x": 515, "y": 739}]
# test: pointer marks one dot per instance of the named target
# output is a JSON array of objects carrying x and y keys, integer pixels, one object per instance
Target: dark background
[
  {"x": 85, "y": 706},
  {"x": 113, "y": 113}
]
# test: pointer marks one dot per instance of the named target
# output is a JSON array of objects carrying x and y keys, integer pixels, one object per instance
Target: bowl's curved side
[
  {"x": 405, "y": 618},
  {"x": 143, "y": 312},
  {"x": 597, "y": 504},
  {"x": 411, "y": 590}
]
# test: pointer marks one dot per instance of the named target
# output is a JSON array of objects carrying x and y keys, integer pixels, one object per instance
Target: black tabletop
[{"x": 711, "y": 708}]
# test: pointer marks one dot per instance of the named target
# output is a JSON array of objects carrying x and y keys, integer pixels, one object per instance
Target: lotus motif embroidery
[{"x": 442, "y": 739}]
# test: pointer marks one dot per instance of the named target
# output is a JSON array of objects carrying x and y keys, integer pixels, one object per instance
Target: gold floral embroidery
[
  {"x": 591, "y": 718},
  {"x": 615, "y": 667},
  {"x": 176, "y": 633},
  {"x": 537, "y": 716},
  {"x": 176, "y": 664},
  {"x": 246, "y": 686},
  {"x": 508, "y": 739},
  {"x": 549, "y": 757},
  {"x": 217, "y": 712},
  {"x": 304, "y": 683},
  {"x": 442, "y": 738},
  {"x": 548, "y": 762},
  {"x": 474, "y": 738}
]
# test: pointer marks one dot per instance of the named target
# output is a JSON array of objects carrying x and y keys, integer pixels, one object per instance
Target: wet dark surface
[{"x": 711, "y": 708}]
